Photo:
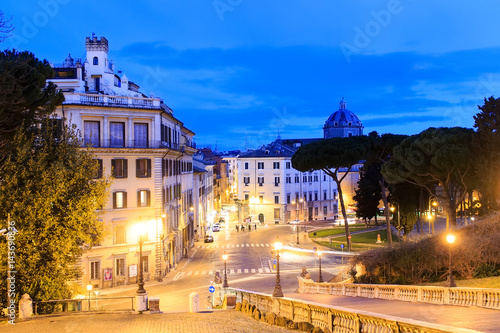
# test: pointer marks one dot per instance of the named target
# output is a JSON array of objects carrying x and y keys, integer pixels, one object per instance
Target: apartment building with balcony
[{"x": 138, "y": 141}]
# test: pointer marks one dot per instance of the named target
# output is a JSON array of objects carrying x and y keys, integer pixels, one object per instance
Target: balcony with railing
[
  {"x": 112, "y": 101},
  {"x": 154, "y": 144}
]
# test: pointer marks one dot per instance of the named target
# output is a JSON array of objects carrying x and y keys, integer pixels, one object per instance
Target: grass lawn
[
  {"x": 335, "y": 231},
  {"x": 360, "y": 242},
  {"x": 489, "y": 282}
]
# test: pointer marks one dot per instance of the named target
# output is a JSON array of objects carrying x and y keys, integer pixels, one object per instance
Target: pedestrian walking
[
  {"x": 242, "y": 228},
  {"x": 237, "y": 228},
  {"x": 255, "y": 225}
]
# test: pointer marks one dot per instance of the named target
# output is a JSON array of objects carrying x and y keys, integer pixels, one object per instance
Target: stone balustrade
[
  {"x": 480, "y": 297},
  {"x": 335, "y": 318},
  {"x": 112, "y": 101}
]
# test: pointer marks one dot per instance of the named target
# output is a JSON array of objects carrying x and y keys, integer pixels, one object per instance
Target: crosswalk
[
  {"x": 230, "y": 246},
  {"x": 234, "y": 271}
]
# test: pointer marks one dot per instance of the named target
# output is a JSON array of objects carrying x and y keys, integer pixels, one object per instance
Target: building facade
[{"x": 147, "y": 151}]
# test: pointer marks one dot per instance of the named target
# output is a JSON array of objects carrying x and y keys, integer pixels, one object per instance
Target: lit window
[{"x": 119, "y": 200}]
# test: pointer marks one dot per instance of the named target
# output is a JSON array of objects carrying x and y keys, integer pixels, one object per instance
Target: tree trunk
[
  {"x": 451, "y": 213},
  {"x": 386, "y": 211},
  {"x": 342, "y": 207},
  {"x": 421, "y": 208}
]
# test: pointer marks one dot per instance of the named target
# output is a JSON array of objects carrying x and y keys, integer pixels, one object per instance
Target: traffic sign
[
  {"x": 211, "y": 282},
  {"x": 211, "y": 289},
  {"x": 349, "y": 236},
  {"x": 274, "y": 261},
  {"x": 341, "y": 246}
]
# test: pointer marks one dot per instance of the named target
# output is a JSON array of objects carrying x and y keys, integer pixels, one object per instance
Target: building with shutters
[{"x": 138, "y": 141}]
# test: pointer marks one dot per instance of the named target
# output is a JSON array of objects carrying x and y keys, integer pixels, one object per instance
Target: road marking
[
  {"x": 239, "y": 270},
  {"x": 211, "y": 272},
  {"x": 222, "y": 247},
  {"x": 260, "y": 269},
  {"x": 189, "y": 273},
  {"x": 187, "y": 263},
  {"x": 178, "y": 276},
  {"x": 247, "y": 245},
  {"x": 204, "y": 272},
  {"x": 196, "y": 273},
  {"x": 237, "y": 245},
  {"x": 267, "y": 245},
  {"x": 246, "y": 270},
  {"x": 253, "y": 270},
  {"x": 262, "y": 245},
  {"x": 232, "y": 245},
  {"x": 252, "y": 245},
  {"x": 267, "y": 270}
]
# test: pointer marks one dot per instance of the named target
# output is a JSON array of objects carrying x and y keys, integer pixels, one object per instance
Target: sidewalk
[{"x": 217, "y": 321}]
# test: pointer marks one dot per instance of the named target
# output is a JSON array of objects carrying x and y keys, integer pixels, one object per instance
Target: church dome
[{"x": 342, "y": 123}]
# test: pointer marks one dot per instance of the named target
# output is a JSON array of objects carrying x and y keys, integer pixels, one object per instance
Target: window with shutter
[
  {"x": 143, "y": 168},
  {"x": 140, "y": 135},
  {"x": 116, "y": 134},
  {"x": 119, "y": 199},
  {"x": 119, "y": 168},
  {"x": 143, "y": 198},
  {"x": 91, "y": 133}
]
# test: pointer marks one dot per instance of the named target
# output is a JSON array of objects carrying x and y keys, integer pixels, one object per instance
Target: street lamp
[
  {"x": 320, "y": 277},
  {"x": 451, "y": 281},
  {"x": 277, "y": 288},
  {"x": 296, "y": 218},
  {"x": 89, "y": 289},
  {"x": 224, "y": 257},
  {"x": 394, "y": 202},
  {"x": 141, "y": 294}
]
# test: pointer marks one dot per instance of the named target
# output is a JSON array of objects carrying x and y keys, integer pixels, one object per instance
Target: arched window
[{"x": 96, "y": 61}]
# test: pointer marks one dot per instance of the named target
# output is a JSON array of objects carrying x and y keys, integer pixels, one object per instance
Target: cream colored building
[{"x": 149, "y": 152}]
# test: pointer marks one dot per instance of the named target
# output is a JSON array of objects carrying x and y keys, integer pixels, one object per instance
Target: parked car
[
  {"x": 294, "y": 222},
  {"x": 209, "y": 239},
  {"x": 216, "y": 228}
]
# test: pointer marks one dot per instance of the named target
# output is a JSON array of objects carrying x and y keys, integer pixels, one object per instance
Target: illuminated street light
[
  {"x": 89, "y": 289},
  {"x": 451, "y": 281},
  {"x": 224, "y": 257},
  {"x": 277, "y": 288}
]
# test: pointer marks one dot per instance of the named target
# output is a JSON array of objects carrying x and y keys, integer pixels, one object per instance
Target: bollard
[
  {"x": 25, "y": 307},
  {"x": 194, "y": 302}
]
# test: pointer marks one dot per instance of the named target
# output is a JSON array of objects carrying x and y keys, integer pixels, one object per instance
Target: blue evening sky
[{"x": 237, "y": 72}]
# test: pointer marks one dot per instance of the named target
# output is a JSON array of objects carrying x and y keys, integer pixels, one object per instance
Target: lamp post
[
  {"x": 141, "y": 294},
  {"x": 224, "y": 257},
  {"x": 394, "y": 202},
  {"x": 296, "y": 218},
  {"x": 89, "y": 289},
  {"x": 451, "y": 281},
  {"x": 320, "y": 277},
  {"x": 432, "y": 203},
  {"x": 277, "y": 288}
]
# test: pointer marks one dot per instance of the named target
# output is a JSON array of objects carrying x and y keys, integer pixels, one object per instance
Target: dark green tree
[
  {"x": 48, "y": 188},
  {"x": 25, "y": 96},
  {"x": 331, "y": 155},
  {"x": 368, "y": 194},
  {"x": 381, "y": 150},
  {"x": 487, "y": 142},
  {"x": 437, "y": 156},
  {"x": 405, "y": 198}
]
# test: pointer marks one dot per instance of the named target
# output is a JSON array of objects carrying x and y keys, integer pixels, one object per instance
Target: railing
[
  {"x": 81, "y": 304},
  {"x": 336, "y": 319},
  {"x": 131, "y": 144},
  {"x": 113, "y": 101},
  {"x": 480, "y": 297}
]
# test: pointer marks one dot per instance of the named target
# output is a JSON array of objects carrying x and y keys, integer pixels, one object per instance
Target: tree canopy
[
  {"x": 437, "y": 156},
  {"x": 330, "y": 155},
  {"x": 48, "y": 189},
  {"x": 487, "y": 124},
  {"x": 368, "y": 194},
  {"x": 25, "y": 97}
]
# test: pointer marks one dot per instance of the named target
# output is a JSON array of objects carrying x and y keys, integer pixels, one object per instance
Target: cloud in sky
[{"x": 241, "y": 72}]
